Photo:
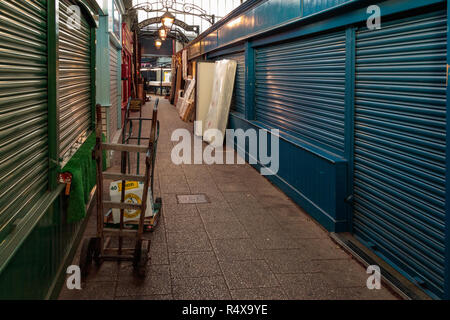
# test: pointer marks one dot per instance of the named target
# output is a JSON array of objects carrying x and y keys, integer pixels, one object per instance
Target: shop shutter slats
[
  {"x": 400, "y": 132},
  {"x": 300, "y": 89},
  {"x": 74, "y": 81},
  {"x": 238, "y": 102},
  {"x": 114, "y": 89},
  {"x": 23, "y": 109}
]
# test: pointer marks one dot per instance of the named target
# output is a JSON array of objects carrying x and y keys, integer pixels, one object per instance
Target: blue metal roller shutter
[
  {"x": 300, "y": 88},
  {"x": 400, "y": 118},
  {"x": 238, "y": 102},
  {"x": 23, "y": 109}
]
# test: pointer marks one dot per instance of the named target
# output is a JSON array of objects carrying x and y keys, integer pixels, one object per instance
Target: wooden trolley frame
[{"x": 97, "y": 249}]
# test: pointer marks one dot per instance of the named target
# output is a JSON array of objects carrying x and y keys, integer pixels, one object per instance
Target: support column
[
  {"x": 119, "y": 89},
  {"x": 350, "y": 118},
  {"x": 447, "y": 176},
  {"x": 53, "y": 79},
  {"x": 102, "y": 65},
  {"x": 249, "y": 81}
]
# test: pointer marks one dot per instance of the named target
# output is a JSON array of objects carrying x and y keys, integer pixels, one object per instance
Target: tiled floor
[{"x": 249, "y": 242}]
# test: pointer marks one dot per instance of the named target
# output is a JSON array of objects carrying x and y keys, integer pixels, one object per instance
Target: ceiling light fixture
[
  {"x": 158, "y": 43},
  {"x": 168, "y": 19},
  {"x": 162, "y": 33}
]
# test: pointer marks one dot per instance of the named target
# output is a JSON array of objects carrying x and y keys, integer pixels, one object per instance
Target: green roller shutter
[
  {"x": 400, "y": 145},
  {"x": 74, "y": 80},
  {"x": 23, "y": 108}
]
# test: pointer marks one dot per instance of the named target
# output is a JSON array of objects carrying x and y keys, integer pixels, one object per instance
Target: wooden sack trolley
[
  {"x": 97, "y": 249},
  {"x": 127, "y": 137}
]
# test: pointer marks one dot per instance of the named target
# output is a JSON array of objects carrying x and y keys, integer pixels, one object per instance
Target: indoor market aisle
[{"x": 249, "y": 242}]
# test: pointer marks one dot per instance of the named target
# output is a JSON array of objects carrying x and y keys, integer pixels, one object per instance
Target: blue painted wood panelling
[
  {"x": 314, "y": 6},
  {"x": 315, "y": 184},
  {"x": 210, "y": 41},
  {"x": 263, "y": 16}
]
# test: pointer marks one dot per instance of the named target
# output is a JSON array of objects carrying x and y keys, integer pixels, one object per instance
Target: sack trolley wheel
[
  {"x": 141, "y": 257},
  {"x": 87, "y": 255},
  {"x": 97, "y": 243}
]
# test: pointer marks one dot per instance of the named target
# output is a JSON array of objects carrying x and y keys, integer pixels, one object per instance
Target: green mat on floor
[{"x": 83, "y": 170}]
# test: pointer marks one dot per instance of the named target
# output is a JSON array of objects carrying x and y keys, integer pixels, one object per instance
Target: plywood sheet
[
  {"x": 205, "y": 81},
  {"x": 219, "y": 108}
]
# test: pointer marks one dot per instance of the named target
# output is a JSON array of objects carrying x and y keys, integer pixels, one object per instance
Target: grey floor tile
[
  {"x": 343, "y": 273},
  {"x": 184, "y": 210},
  {"x": 107, "y": 271},
  {"x": 214, "y": 196},
  {"x": 216, "y": 214},
  {"x": 90, "y": 291},
  {"x": 237, "y": 186},
  {"x": 158, "y": 237},
  {"x": 257, "y": 226},
  {"x": 307, "y": 286},
  {"x": 275, "y": 293},
  {"x": 272, "y": 240},
  {"x": 206, "y": 288},
  {"x": 254, "y": 214},
  {"x": 363, "y": 293},
  {"x": 323, "y": 249},
  {"x": 175, "y": 223},
  {"x": 194, "y": 265},
  {"x": 270, "y": 198},
  {"x": 196, "y": 172},
  {"x": 174, "y": 184},
  {"x": 257, "y": 183},
  {"x": 169, "y": 199},
  {"x": 157, "y": 282},
  {"x": 211, "y": 206},
  {"x": 239, "y": 199},
  {"x": 165, "y": 167},
  {"x": 248, "y": 274},
  {"x": 188, "y": 241},
  {"x": 160, "y": 297},
  {"x": 288, "y": 214},
  {"x": 159, "y": 254},
  {"x": 225, "y": 230},
  {"x": 236, "y": 250},
  {"x": 288, "y": 261},
  {"x": 306, "y": 230},
  {"x": 202, "y": 184}
]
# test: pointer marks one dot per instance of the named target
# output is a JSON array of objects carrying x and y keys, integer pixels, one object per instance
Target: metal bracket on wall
[{"x": 350, "y": 200}]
